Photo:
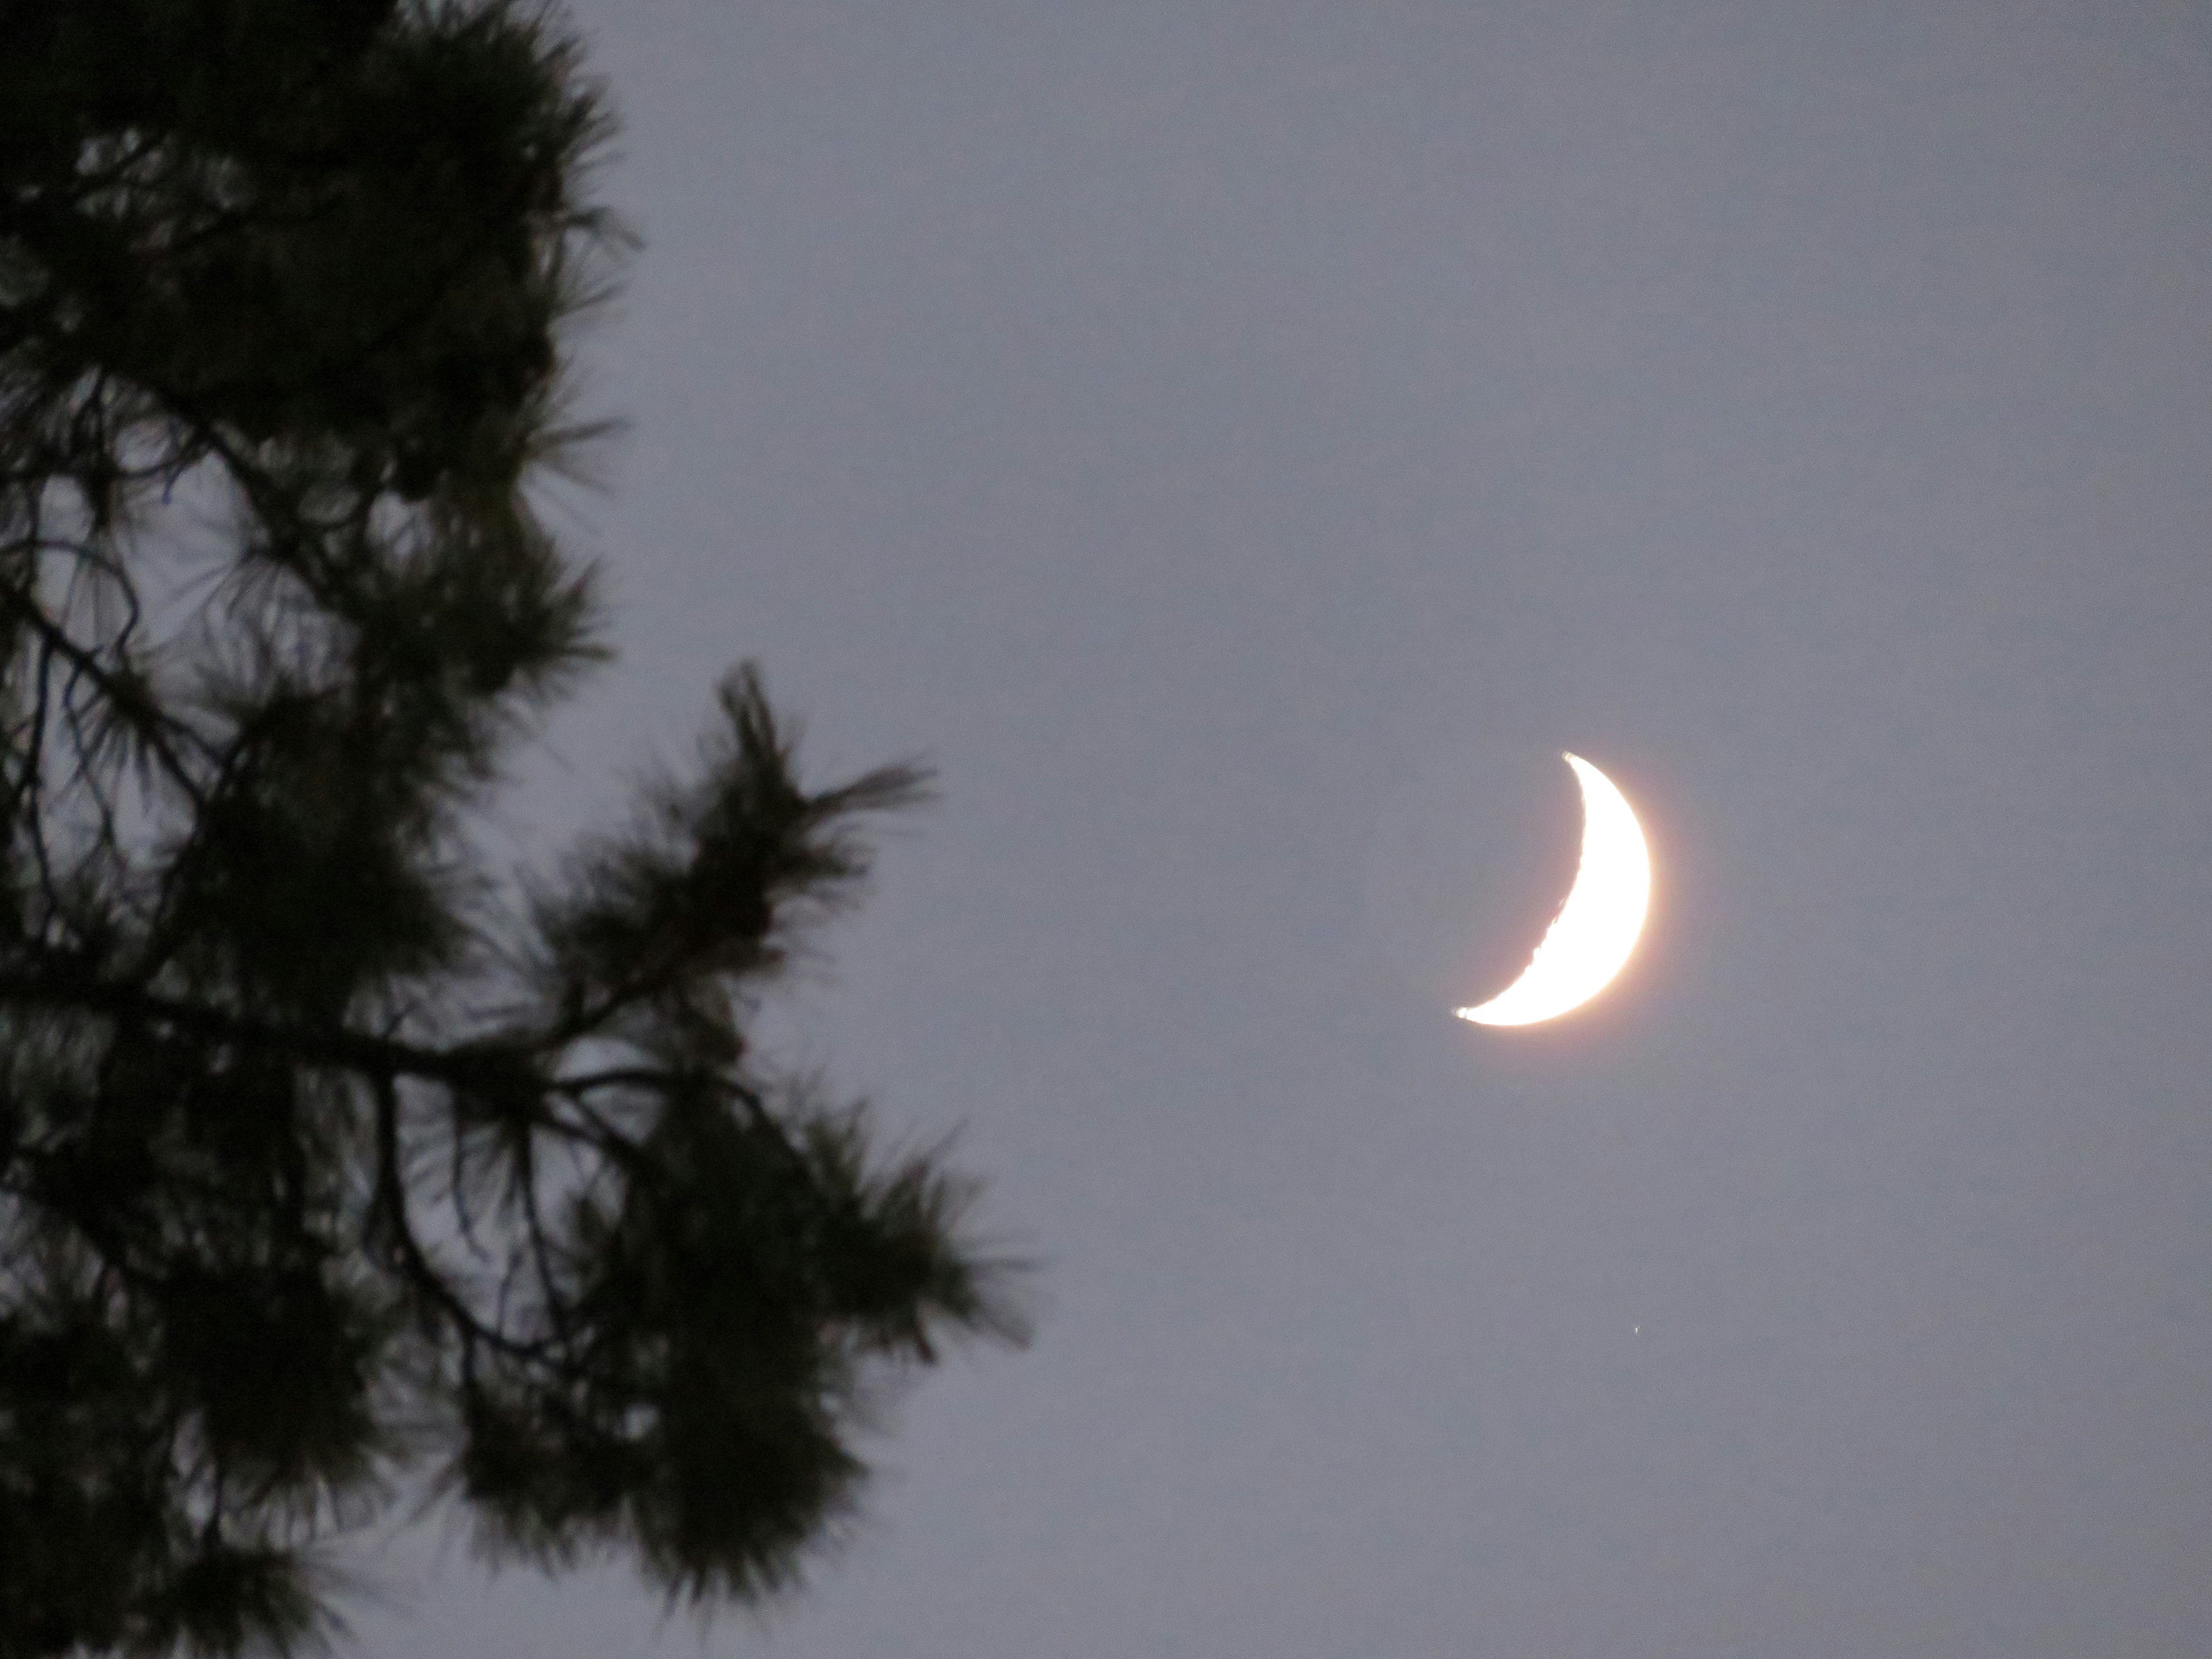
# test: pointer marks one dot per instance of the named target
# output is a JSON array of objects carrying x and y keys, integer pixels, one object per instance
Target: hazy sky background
[{"x": 1242, "y": 445}]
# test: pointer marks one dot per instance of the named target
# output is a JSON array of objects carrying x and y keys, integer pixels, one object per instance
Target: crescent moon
[{"x": 1591, "y": 940}]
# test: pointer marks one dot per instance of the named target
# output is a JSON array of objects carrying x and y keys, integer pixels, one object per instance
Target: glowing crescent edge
[{"x": 1591, "y": 940}]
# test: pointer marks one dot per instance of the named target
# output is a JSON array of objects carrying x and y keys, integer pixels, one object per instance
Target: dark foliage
[{"x": 317, "y": 1163}]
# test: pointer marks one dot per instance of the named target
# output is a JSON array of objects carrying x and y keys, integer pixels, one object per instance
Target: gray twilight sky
[{"x": 1242, "y": 444}]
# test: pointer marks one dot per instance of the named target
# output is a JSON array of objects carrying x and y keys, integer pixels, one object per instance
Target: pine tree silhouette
[{"x": 320, "y": 1164}]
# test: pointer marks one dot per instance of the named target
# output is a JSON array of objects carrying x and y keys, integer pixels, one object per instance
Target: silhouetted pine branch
[{"x": 314, "y": 1168}]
